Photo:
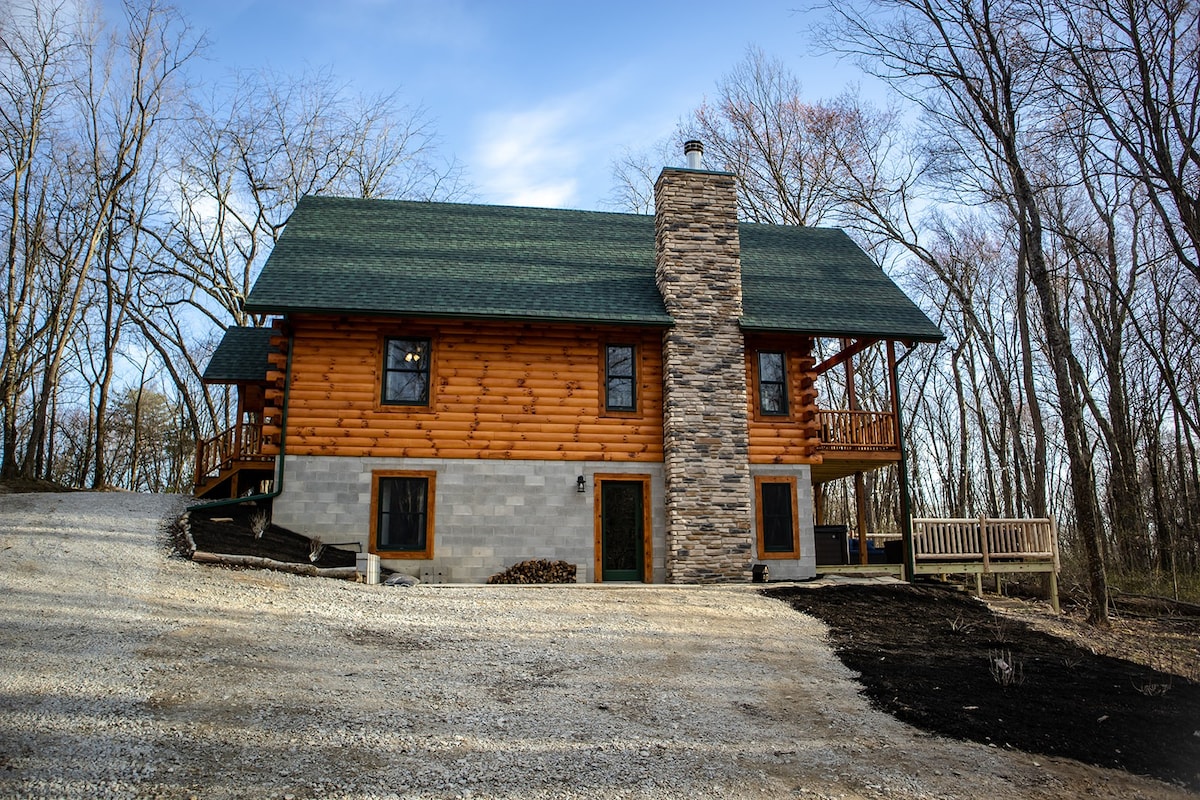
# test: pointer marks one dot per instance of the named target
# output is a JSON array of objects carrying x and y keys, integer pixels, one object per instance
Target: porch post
[
  {"x": 860, "y": 501},
  {"x": 237, "y": 429},
  {"x": 910, "y": 562},
  {"x": 860, "y": 512}
]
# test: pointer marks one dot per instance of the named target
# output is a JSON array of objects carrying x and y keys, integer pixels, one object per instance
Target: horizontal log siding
[
  {"x": 498, "y": 391},
  {"x": 793, "y": 439}
]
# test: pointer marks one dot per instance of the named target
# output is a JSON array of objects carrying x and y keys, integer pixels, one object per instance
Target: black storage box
[
  {"x": 893, "y": 550},
  {"x": 831, "y": 546}
]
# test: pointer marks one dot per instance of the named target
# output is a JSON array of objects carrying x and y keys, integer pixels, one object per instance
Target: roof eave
[
  {"x": 663, "y": 321},
  {"x": 897, "y": 336}
]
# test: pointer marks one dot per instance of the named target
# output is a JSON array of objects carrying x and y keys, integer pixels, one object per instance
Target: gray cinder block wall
[
  {"x": 489, "y": 514},
  {"x": 709, "y": 532}
]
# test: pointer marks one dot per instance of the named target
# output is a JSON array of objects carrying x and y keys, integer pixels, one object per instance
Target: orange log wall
[{"x": 529, "y": 391}]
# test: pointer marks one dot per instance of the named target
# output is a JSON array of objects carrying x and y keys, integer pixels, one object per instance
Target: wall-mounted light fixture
[{"x": 580, "y": 484}]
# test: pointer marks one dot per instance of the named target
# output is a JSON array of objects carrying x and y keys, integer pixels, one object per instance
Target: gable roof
[
  {"x": 394, "y": 257},
  {"x": 241, "y": 356}
]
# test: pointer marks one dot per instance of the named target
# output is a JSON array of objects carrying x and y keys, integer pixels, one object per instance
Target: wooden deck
[
  {"x": 854, "y": 441},
  {"x": 975, "y": 546}
]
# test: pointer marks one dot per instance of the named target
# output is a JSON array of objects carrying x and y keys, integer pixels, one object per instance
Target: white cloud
[{"x": 528, "y": 157}]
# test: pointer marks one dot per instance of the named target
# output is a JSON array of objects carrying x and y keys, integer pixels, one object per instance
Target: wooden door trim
[{"x": 598, "y": 522}]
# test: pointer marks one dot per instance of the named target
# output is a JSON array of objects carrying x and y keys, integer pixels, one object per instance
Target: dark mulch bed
[
  {"x": 928, "y": 656},
  {"x": 227, "y": 530}
]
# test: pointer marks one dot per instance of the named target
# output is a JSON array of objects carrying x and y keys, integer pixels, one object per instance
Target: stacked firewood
[{"x": 536, "y": 571}]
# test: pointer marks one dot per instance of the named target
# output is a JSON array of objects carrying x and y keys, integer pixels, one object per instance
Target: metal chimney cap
[{"x": 694, "y": 150}]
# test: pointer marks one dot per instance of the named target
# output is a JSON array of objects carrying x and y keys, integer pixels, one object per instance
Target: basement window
[
  {"x": 402, "y": 514},
  {"x": 777, "y": 517}
]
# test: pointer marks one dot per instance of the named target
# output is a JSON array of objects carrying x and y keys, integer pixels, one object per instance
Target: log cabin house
[{"x": 458, "y": 387}]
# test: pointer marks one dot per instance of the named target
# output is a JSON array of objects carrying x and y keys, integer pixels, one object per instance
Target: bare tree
[
  {"x": 35, "y": 51},
  {"x": 759, "y": 128},
  {"x": 136, "y": 215},
  {"x": 123, "y": 86},
  {"x": 634, "y": 172},
  {"x": 245, "y": 160},
  {"x": 976, "y": 70},
  {"x": 1135, "y": 64}
]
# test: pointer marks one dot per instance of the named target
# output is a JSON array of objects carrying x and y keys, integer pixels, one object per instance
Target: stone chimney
[{"x": 710, "y": 534}]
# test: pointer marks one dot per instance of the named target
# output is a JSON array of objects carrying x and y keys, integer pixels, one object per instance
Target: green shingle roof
[
  {"x": 817, "y": 280},
  {"x": 449, "y": 259},
  {"x": 458, "y": 260},
  {"x": 241, "y": 356}
]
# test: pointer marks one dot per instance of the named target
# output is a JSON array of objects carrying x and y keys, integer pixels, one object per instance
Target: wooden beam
[{"x": 846, "y": 353}]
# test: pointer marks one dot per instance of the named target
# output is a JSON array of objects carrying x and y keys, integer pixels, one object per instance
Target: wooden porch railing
[
  {"x": 857, "y": 430},
  {"x": 985, "y": 540},
  {"x": 239, "y": 443}
]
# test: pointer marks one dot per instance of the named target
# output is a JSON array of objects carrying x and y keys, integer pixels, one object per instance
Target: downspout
[
  {"x": 910, "y": 562},
  {"x": 277, "y": 482}
]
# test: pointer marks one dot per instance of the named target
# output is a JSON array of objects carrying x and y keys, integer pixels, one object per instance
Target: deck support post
[
  {"x": 860, "y": 498},
  {"x": 1053, "y": 574},
  {"x": 906, "y": 531},
  {"x": 860, "y": 514},
  {"x": 979, "y": 584}
]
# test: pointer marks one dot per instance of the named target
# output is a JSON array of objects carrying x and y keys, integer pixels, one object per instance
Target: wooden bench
[{"x": 987, "y": 546}]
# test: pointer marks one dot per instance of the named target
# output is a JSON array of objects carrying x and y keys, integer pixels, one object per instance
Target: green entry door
[{"x": 622, "y": 530}]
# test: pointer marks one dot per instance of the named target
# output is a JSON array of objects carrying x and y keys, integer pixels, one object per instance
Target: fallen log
[{"x": 257, "y": 562}]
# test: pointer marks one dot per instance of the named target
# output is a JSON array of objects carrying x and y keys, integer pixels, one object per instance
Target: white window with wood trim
[
  {"x": 777, "y": 516},
  {"x": 402, "y": 506}
]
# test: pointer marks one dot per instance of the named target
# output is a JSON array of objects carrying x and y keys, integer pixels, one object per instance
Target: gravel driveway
[{"x": 127, "y": 673}]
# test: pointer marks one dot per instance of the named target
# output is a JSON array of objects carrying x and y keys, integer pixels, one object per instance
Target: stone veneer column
[{"x": 709, "y": 532}]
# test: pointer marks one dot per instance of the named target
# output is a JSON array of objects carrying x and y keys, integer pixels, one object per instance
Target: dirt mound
[
  {"x": 230, "y": 530},
  {"x": 28, "y": 485}
]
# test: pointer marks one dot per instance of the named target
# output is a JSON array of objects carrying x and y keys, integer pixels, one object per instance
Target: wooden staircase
[
  {"x": 240, "y": 457},
  {"x": 231, "y": 462}
]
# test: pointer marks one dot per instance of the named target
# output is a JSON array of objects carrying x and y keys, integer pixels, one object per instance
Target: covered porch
[{"x": 241, "y": 457}]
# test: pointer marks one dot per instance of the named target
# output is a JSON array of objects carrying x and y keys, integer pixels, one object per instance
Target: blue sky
[{"x": 535, "y": 99}]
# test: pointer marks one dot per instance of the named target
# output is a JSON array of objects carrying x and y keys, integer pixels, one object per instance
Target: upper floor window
[
  {"x": 620, "y": 378},
  {"x": 772, "y": 383},
  {"x": 406, "y": 365}
]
